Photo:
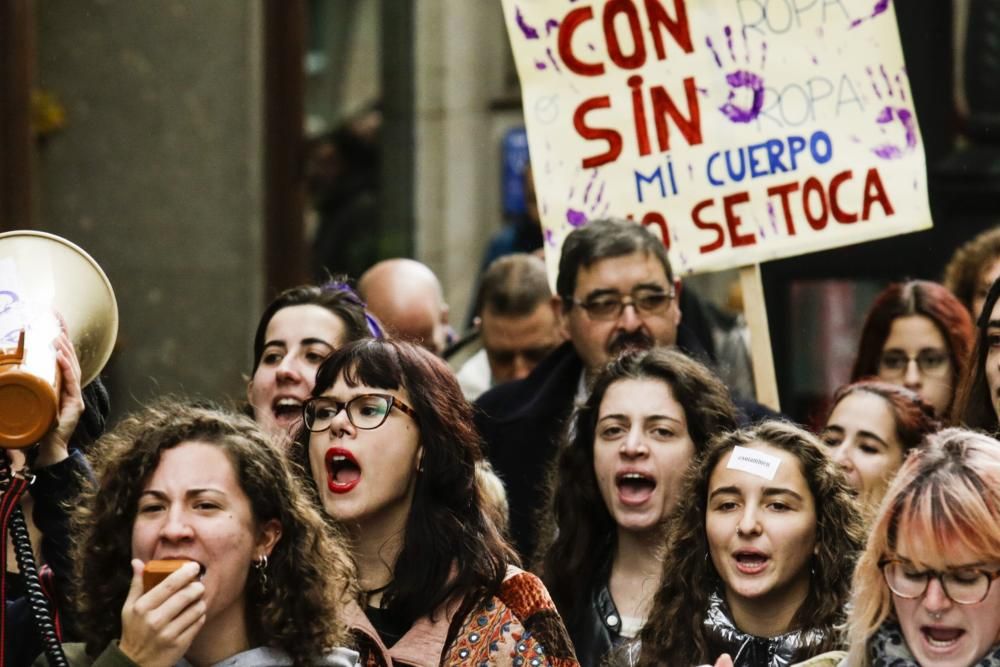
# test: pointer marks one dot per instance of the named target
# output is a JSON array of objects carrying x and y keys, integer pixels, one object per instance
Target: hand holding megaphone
[
  {"x": 54, "y": 447},
  {"x": 40, "y": 375}
]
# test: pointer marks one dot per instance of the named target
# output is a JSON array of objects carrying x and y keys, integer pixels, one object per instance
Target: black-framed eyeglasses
[
  {"x": 609, "y": 306},
  {"x": 964, "y": 585},
  {"x": 365, "y": 412},
  {"x": 931, "y": 362}
]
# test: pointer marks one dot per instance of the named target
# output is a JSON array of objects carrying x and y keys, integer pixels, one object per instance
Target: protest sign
[{"x": 739, "y": 130}]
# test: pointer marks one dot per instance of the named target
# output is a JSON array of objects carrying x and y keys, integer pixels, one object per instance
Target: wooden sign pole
[{"x": 760, "y": 337}]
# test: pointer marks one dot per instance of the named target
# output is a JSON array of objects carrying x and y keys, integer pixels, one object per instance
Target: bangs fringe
[
  {"x": 960, "y": 517},
  {"x": 373, "y": 363}
]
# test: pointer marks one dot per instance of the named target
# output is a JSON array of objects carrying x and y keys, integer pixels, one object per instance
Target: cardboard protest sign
[{"x": 740, "y": 130}]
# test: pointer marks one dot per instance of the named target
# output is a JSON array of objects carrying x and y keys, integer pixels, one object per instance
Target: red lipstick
[{"x": 342, "y": 470}]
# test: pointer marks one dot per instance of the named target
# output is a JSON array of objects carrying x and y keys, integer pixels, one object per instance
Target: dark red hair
[
  {"x": 913, "y": 416},
  {"x": 915, "y": 297}
]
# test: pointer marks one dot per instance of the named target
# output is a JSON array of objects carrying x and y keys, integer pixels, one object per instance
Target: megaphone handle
[{"x": 17, "y": 356}]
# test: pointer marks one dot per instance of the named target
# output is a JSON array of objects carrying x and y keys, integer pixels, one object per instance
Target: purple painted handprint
[
  {"x": 585, "y": 200},
  {"x": 531, "y": 33},
  {"x": 745, "y": 85},
  {"x": 893, "y": 113}
]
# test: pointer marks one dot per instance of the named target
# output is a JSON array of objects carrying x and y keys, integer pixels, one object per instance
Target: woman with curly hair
[
  {"x": 760, "y": 553},
  {"x": 977, "y": 404},
  {"x": 973, "y": 268},
  {"x": 296, "y": 332},
  {"x": 917, "y": 335},
  {"x": 264, "y": 580},
  {"x": 925, "y": 590},
  {"x": 613, "y": 486},
  {"x": 392, "y": 451},
  {"x": 871, "y": 428}
]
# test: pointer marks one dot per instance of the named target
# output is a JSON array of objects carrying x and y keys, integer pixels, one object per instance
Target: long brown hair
[
  {"x": 578, "y": 534},
  {"x": 309, "y": 570},
  {"x": 675, "y": 631}
]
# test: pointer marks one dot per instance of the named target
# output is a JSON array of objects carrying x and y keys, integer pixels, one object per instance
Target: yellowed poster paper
[{"x": 739, "y": 130}]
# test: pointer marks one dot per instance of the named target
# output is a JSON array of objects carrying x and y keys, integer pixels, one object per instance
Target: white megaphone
[{"x": 42, "y": 275}]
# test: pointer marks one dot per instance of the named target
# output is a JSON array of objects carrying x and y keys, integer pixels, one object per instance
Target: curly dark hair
[
  {"x": 578, "y": 534},
  {"x": 689, "y": 576},
  {"x": 460, "y": 551},
  {"x": 915, "y": 297},
  {"x": 310, "y": 571},
  {"x": 961, "y": 275}
]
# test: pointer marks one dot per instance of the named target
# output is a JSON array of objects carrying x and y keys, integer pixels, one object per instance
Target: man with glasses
[{"x": 615, "y": 292}]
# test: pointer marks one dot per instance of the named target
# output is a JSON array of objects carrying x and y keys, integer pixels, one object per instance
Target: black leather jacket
[
  {"x": 597, "y": 628},
  {"x": 751, "y": 651}
]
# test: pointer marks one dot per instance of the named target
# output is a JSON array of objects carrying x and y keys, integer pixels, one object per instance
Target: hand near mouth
[{"x": 159, "y": 626}]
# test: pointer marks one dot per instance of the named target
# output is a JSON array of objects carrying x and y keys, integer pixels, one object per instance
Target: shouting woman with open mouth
[
  {"x": 296, "y": 332},
  {"x": 759, "y": 555},
  {"x": 925, "y": 591},
  {"x": 617, "y": 478},
  {"x": 391, "y": 448}
]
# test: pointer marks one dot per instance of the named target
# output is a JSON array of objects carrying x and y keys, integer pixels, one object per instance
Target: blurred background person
[
  {"x": 925, "y": 591},
  {"x": 973, "y": 268},
  {"x": 523, "y": 234},
  {"x": 184, "y": 482},
  {"x": 917, "y": 335},
  {"x": 761, "y": 549},
  {"x": 391, "y": 450},
  {"x": 300, "y": 328},
  {"x": 342, "y": 180},
  {"x": 516, "y": 321},
  {"x": 407, "y": 298},
  {"x": 613, "y": 486},
  {"x": 871, "y": 428}
]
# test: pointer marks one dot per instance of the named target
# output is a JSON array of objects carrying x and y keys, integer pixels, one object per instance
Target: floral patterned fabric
[{"x": 518, "y": 627}]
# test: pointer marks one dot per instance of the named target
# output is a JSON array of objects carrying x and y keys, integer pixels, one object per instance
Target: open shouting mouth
[
  {"x": 751, "y": 561},
  {"x": 342, "y": 470},
  {"x": 634, "y": 488}
]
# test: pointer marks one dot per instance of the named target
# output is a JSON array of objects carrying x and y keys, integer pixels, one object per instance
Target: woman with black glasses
[
  {"x": 389, "y": 442},
  {"x": 925, "y": 590}
]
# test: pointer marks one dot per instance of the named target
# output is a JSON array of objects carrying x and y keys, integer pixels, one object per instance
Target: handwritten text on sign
[{"x": 740, "y": 130}]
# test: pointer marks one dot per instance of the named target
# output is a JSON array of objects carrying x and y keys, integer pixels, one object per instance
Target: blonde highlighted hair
[{"x": 946, "y": 493}]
